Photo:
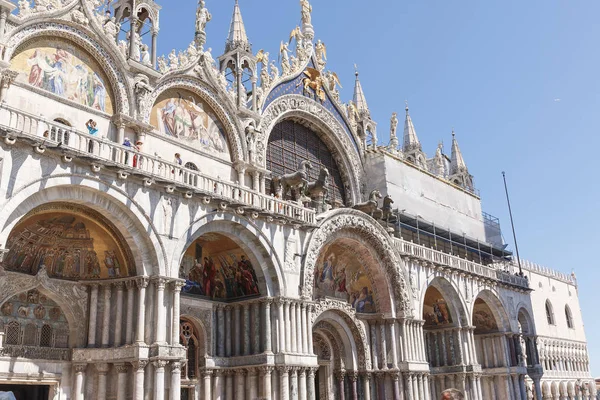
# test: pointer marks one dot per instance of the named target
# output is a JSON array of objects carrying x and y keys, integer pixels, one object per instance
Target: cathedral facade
[{"x": 192, "y": 226}]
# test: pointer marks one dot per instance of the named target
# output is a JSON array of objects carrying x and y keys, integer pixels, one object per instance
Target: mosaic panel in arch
[
  {"x": 68, "y": 245},
  {"x": 295, "y": 87},
  {"x": 216, "y": 267},
  {"x": 65, "y": 70},
  {"x": 436, "y": 311},
  {"x": 33, "y": 308},
  {"x": 483, "y": 318},
  {"x": 340, "y": 274},
  {"x": 184, "y": 115}
]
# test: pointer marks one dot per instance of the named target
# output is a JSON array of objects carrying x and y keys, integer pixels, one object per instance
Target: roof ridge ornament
[
  {"x": 202, "y": 18},
  {"x": 306, "y": 17},
  {"x": 237, "y": 37}
]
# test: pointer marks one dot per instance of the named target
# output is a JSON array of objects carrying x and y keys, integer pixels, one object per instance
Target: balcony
[
  {"x": 100, "y": 152},
  {"x": 457, "y": 263}
]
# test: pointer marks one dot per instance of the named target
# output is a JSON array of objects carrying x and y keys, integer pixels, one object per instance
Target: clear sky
[{"x": 518, "y": 80}]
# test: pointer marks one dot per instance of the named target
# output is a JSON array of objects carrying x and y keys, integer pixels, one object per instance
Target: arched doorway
[{"x": 192, "y": 338}]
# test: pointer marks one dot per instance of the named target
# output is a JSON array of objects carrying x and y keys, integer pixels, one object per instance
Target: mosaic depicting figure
[
  {"x": 66, "y": 246},
  {"x": 436, "y": 311},
  {"x": 340, "y": 274},
  {"x": 65, "y": 71},
  {"x": 220, "y": 270},
  {"x": 186, "y": 117}
]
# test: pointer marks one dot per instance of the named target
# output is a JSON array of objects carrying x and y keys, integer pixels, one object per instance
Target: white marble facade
[{"x": 424, "y": 316}]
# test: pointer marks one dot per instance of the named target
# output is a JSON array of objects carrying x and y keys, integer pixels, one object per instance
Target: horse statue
[
  {"x": 387, "y": 208},
  {"x": 296, "y": 180},
  {"x": 320, "y": 187},
  {"x": 370, "y": 206}
]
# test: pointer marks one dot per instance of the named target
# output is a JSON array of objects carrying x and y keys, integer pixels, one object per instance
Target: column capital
[
  {"x": 177, "y": 285},
  {"x": 241, "y": 372},
  {"x": 122, "y": 368},
  {"x": 159, "y": 282},
  {"x": 160, "y": 364},
  {"x": 79, "y": 368},
  {"x": 102, "y": 368},
  {"x": 130, "y": 284},
  {"x": 139, "y": 365},
  {"x": 340, "y": 373},
  {"x": 142, "y": 282},
  {"x": 311, "y": 372},
  {"x": 119, "y": 285},
  {"x": 284, "y": 369},
  {"x": 206, "y": 373},
  {"x": 266, "y": 370},
  {"x": 353, "y": 375},
  {"x": 176, "y": 366},
  {"x": 93, "y": 286},
  {"x": 303, "y": 371}
]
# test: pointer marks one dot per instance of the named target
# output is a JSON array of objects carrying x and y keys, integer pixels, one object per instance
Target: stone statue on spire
[
  {"x": 202, "y": 18},
  {"x": 306, "y": 12}
]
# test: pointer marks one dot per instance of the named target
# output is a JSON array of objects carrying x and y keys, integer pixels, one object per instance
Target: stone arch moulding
[
  {"x": 197, "y": 318},
  {"x": 263, "y": 256},
  {"x": 522, "y": 307},
  {"x": 121, "y": 88},
  {"x": 128, "y": 216},
  {"x": 300, "y": 107},
  {"x": 70, "y": 296},
  {"x": 355, "y": 224},
  {"x": 345, "y": 316},
  {"x": 237, "y": 146},
  {"x": 498, "y": 308},
  {"x": 451, "y": 294}
]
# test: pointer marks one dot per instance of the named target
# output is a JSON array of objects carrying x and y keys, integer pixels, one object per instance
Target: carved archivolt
[
  {"x": 351, "y": 223},
  {"x": 120, "y": 85},
  {"x": 294, "y": 106},
  {"x": 237, "y": 146},
  {"x": 348, "y": 314}
]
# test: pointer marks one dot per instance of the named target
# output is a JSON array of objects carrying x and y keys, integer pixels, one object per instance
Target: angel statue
[
  {"x": 306, "y": 12},
  {"x": 285, "y": 58},
  {"x": 202, "y": 17},
  {"x": 262, "y": 57},
  {"x": 274, "y": 70},
  {"x": 333, "y": 81},
  {"x": 320, "y": 52}
]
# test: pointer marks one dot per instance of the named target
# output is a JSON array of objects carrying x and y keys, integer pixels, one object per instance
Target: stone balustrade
[
  {"x": 440, "y": 258},
  {"x": 104, "y": 152}
]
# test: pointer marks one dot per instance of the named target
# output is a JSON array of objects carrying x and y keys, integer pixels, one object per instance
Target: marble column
[
  {"x": 395, "y": 375},
  {"x": 102, "y": 370},
  {"x": 227, "y": 331},
  {"x": 265, "y": 386},
  {"x": 229, "y": 385},
  {"x": 309, "y": 321},
  {"x": 106, "y": 315},
  {"x": 142, "y": 284},
  {"x": 237, "y": 334},
  {"x": 79, "y": 378},
  {"x": 515, "y": 386},
  {"x": 374, "y": 358},
  {"x": 177, "y": 285},
  {"x": 218, "y": 386},
  {"x": 206, "y": 374},
  {"x": 119, "y": 315},
  {"x": 444, "y": 350},
  {"x": 310, "y": 387},
  {"x": 161, "y": 322},
  {"x": 404, "y": 344},
  {"x": 298, "y": 321},
  {"x": 306, "y": 330},
  {"x": 93, "y": 315},
  {"x": 268, "y": 348},
  {"x": 302, "y": 383},
  {"x": 393, "y": 339},
  {"x": 294, "y": 383},
  {"x": 341, "y": 377},
  {"x": 220, "y": 330},
  {"x": 478, "y": 384},
  {"x": 294, "y": 328},
  {"x": 129, "y": 318},
  {"x": 281, "y": 323},
  {"x": 284, "y": 383},
  {"x": 138, "y": 379},
  {"x": 288, "y": 324},
  {"x": 252, "y": 383},
  {"x": 175, "y": 392},
  {"x": 354, "y": 379},
  {"x": 382, "y": 340},
  {"x": 159, "y": 378},
  {"x": 122, "y": 384},
  {"x": 256, "y": 339},
  {"x": 367, "y": 385},
  {"x": 240, "y": 383},
  {"x": 409, "y": 386},
  {"x": 420, "y": 386}
]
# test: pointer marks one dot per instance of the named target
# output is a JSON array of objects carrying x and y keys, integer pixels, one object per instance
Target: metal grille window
[
  {"x": 291, "y": 143},
  {"x": 13, "y": 331},
  {"x": 46, "y": 336},
  {"x": 29, "y": 335}
]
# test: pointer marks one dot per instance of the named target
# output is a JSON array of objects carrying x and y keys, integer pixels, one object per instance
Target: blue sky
[{"x": 518, "y": 81}]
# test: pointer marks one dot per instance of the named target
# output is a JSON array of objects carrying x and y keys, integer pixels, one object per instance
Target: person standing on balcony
[
  {"x": 179, "y": 162},
  {"x": 93, "y": 131},
  {"x": 137, "y": 159},
  {"x": 127, "y": 143}
]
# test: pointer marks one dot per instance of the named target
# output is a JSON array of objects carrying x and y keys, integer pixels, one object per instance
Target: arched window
[
  {"x": 190, "y": 178},
  {"x": 549, "y": 313},
  {"x": 13, "y": 333},
  {"x": 290, "y": 143},
  {"x": 46, "y": 336},
  {"x": 189, "y": 339},
  {"x": 569, "y": 317}
]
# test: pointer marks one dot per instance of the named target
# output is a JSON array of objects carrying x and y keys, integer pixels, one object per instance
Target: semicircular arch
[
  {"x": 392, "y": 294},
  {"x": 248, "y": 237},
  {"x": 329, "y": 129},
  {"x": 106, "y": 58},
  {"x": 451, "y": 294},
  {"x": 237, "y": 145},
  {"x": 498, "y": 309},
  {"x": 127, "y": 215}
]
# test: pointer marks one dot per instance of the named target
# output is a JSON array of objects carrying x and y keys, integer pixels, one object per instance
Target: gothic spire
[
  {"x": 237, "y": 37},
  {"x": 457, "y": 163},
  {"x": 359, "y": 98},
  {"x": 411, "y": 141}
]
